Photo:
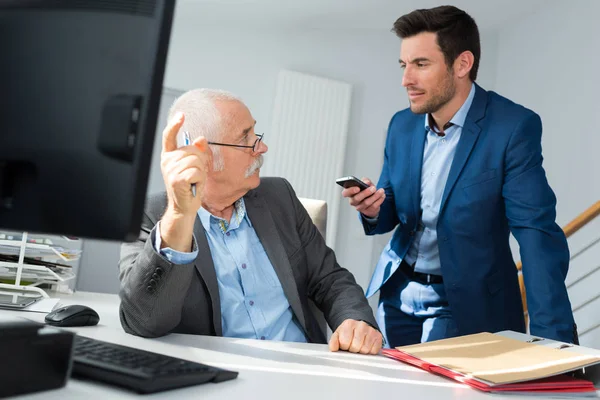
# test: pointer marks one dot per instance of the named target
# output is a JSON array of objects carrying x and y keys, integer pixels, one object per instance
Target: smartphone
[{"x": 351, "y": 181}]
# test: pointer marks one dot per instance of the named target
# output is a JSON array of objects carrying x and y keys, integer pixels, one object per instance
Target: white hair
[{"x": 202, "y": 117}]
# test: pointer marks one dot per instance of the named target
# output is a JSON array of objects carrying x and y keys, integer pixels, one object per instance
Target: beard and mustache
[
  {"x": 219, "y": 165},
  {"x": 256, "y": 164},
  {"x": 439, "y": 98}
]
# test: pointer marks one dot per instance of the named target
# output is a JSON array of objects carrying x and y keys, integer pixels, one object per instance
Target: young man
[
  {"x": 241, "y": 257},
  {"x": 462, "y": 170}
]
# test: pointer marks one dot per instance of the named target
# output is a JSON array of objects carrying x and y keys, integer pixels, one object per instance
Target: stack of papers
[
  {"x": 40, "y": 258},
  {"x": 495, "y": 363},
  {"x": 52, "y": 252}
]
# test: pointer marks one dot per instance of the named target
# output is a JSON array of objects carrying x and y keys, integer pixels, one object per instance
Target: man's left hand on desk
[{"x": 356, "y": 337}]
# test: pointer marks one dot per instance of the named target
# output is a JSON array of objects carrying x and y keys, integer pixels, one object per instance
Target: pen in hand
[{"x": 187, "y": 142}]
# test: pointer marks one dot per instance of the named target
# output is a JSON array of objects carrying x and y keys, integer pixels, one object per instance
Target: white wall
[{"x": 549, "y": 63}]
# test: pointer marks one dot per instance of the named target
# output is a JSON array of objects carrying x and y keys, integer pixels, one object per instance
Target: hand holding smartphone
[
  {"x": 366, "y": 202},
  {"x": 351, "y": 181}
]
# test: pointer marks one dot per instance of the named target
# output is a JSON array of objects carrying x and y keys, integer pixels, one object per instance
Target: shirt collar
[
  {"x": 461, "y": 115},
  {"x": 239, "y": 214}
]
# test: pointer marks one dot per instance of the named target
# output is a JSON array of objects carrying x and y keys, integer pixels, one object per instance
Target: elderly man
[{"x": 234, "y": 256}]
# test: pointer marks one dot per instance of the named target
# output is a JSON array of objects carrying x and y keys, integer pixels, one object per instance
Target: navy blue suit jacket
[{"x": 496, "y": 186}]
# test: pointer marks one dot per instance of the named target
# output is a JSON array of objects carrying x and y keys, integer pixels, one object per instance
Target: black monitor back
[{"x": 80, "y": 86}]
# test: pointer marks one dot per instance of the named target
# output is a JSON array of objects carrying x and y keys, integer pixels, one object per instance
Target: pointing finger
[{"x": 169, "y": 142}]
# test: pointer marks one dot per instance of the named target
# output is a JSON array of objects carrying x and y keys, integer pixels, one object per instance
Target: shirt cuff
[
  {"x": 174, "y": 256},
  {"x": 369, "y": 220}
]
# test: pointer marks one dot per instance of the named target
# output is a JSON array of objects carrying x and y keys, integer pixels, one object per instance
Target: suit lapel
[
  {"x": 205, "y": 266},
  {"x": 265, "y": 228},
  {"x": 416, "y": 165},
  {"x": 468, "y": 138}
]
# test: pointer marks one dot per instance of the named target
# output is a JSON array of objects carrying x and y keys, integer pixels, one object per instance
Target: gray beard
[{"x": 256, "y": 164}]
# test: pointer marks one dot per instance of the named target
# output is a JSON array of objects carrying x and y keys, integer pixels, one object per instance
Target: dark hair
[{"x": 456, "y": 32}]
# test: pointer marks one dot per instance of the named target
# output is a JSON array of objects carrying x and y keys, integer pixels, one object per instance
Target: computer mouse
[{"x": 72, "y": 315}]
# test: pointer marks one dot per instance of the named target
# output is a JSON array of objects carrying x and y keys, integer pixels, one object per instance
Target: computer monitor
[{"x": 80, "y": 86}]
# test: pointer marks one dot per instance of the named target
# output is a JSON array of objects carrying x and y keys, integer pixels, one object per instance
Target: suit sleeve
[
  {"x": 152, "y": 288},
  {"x": 531, "y": 211},
  {"x": 333, "y": 288},
  {"x": 387, "y": 218},
  {"x": 174, "y": 256}
]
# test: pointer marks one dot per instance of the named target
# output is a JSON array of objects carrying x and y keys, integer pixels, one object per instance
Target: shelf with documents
[{"x": 30, "y": 261}]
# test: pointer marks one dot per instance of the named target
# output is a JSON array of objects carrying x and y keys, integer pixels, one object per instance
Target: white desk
[{"x": 268, "y": 370}]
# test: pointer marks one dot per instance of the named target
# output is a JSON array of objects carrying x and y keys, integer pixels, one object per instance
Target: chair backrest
[{"x": 317, "y": 210}]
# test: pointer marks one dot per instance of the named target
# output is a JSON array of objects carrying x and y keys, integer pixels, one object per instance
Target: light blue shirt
[
  {"x": 438, "y": 155},
  {"x": 253, "y": 304}
]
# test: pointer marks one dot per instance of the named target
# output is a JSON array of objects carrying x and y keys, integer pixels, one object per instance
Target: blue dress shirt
[
  {"x": 253, "y": 304},
  {"x": 438, "y": 155}
]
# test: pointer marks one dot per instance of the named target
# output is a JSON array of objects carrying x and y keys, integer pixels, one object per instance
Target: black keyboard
[{"x": 139, "y": 370}]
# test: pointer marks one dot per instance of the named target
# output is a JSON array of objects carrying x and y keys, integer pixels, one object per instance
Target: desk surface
[{"x": 268, "y": 370}]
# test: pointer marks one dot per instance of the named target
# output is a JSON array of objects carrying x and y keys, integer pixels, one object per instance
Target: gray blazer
[{"x": 158, "y": 297}]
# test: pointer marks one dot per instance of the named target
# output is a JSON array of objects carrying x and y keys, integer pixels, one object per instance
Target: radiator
[{"x": 307, "y": 140}]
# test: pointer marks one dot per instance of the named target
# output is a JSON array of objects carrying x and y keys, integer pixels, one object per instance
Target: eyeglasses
[{"x": 254, "y": 147}]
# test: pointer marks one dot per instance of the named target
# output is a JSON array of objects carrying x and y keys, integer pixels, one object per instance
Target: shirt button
[
  {"x": 251, "y": 302},
  {"x": 228, "y": 233},
  {"x": 433, "y": 174},
  {"x": 443, "y": 140},
  {"x": 244, "y": 266}
]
